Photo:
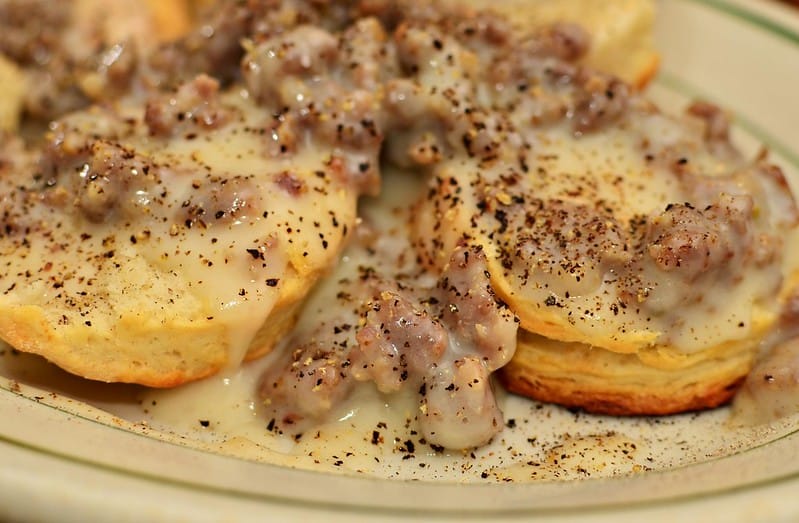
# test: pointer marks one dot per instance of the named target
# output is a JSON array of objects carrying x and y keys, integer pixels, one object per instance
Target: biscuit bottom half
[{"x": 656, "y": 381}]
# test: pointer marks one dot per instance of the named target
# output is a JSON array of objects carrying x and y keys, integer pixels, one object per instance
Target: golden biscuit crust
[
  {"x": 603, "y": 382},
  {"x": 12, "y": 80}
]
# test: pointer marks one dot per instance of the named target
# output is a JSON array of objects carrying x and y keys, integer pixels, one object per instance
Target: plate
[{"x": 62, "y": 459}]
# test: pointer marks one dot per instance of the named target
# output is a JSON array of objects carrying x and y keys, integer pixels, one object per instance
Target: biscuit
[
  {"x": 161, "y": 250},
  {"x": 604, "y": 382},
  {"x": 643, "y": 235},
  {"x": 620, "y": 30}
]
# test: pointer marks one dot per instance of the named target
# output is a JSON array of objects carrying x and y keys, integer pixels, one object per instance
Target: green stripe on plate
[{"x": 768, "y": 24}]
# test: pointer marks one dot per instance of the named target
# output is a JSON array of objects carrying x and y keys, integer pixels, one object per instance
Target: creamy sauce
[
  {"x": 373, "y": 434},
  {"x": 620, "y": 176},
  {"x": 771, "y": 391}
]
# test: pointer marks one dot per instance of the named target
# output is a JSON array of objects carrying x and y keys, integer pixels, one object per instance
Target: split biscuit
[
  {"x": 646, "y": 237},
  {"x": 156, "y": 249},
  {"x": 622, "y": 42}
]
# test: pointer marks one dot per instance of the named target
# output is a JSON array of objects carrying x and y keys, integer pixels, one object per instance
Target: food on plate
[
  {"x": 174, "y": 233},
  {"x": 192, "y": 189},
  {"x": 160, "y": 244},
  {"x": 645, "y": 243}
]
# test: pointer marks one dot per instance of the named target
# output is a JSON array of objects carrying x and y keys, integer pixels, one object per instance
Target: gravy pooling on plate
[{"x": 221, "y": 183}]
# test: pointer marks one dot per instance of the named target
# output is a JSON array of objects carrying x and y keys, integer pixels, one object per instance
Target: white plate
[{"x": 61, "y": 460}]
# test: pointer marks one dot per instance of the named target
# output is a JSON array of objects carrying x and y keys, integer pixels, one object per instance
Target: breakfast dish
[
  {"x": 203, "y": 199},
  {"x": 204, "y": 208},
  {"x": 713, "y": 468}
]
